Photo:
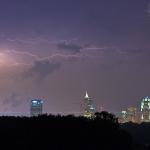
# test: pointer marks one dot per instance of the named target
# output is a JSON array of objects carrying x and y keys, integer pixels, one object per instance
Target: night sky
[{"x": 57, "y": 49}]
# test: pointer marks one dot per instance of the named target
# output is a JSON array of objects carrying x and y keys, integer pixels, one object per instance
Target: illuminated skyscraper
[
  {"x": 131, "y": 114},
  {"x": 145, "y": 109},
  {"x": 36, "y": 107},
  {"x": 89, "y": 109}
]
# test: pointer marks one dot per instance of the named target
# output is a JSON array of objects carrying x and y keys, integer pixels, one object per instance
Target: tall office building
[
  {"x": 36, "y": 107},
  {"x": 89, "y": 109},
  {"x": 145, "y": 109},
  {"x": 131, "y": 114}
]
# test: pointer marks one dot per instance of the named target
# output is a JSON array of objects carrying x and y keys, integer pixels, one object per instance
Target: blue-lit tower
[
  {"x": 89, "y": 109},
  {"x": 145, "y": 109},
  {"x": 36, "y": 107}
]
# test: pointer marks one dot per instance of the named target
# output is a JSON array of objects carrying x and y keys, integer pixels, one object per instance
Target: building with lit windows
[
  {"x": 36, "y": 107},
  {"x": 131, "y": 113},
  {"x": 122, "y": 116},
  {"x": 128, "y": 115},
  {"x": 89, "y": 109},
  {"x": 145, "y": 109}
]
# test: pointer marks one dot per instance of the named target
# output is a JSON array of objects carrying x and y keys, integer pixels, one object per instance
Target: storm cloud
[
  {"x": 69, "y": 47},
  {"x": 42, "y": 46},
  {"x": 14, "y": 100},
  {"x": 41, "y": 69}
]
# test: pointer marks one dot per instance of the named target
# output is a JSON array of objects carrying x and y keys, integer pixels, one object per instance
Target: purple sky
[{"x": 58, "y": 49}]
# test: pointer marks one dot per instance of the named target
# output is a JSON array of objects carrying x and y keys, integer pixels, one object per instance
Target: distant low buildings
[
  {"x": 123, "y": 117},
  {"x": 36, "y": 107},
  {"x": 128, "y": 115}
]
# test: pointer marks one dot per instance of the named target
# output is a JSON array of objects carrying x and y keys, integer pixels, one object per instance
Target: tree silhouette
[{"x": 63, "y": 133}]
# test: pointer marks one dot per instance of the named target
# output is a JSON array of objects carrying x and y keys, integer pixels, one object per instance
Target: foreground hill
[
  {"x": 49, "y": 132},
  {"x": 140, "y": 134}
]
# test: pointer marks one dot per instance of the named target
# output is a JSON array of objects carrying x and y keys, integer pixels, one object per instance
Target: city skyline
[
  {"x": 87, "y": 108},
  {"x": 57, "y": 49}
]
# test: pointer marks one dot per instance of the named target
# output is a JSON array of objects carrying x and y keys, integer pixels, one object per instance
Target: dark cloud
[
  {"x": 135, "y": 51},
  {"x": 13, "y": 100},
  {"x": 41, "y": 69},
  {"x": 69, "y": 47}
]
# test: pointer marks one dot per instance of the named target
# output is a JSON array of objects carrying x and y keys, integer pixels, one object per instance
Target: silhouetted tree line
[
  {"x": 140, "y": 134},
  {"x": 49, "y": 132}
]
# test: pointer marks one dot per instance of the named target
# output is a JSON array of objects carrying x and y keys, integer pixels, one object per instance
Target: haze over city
[{"x": 56, "y": 50}]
